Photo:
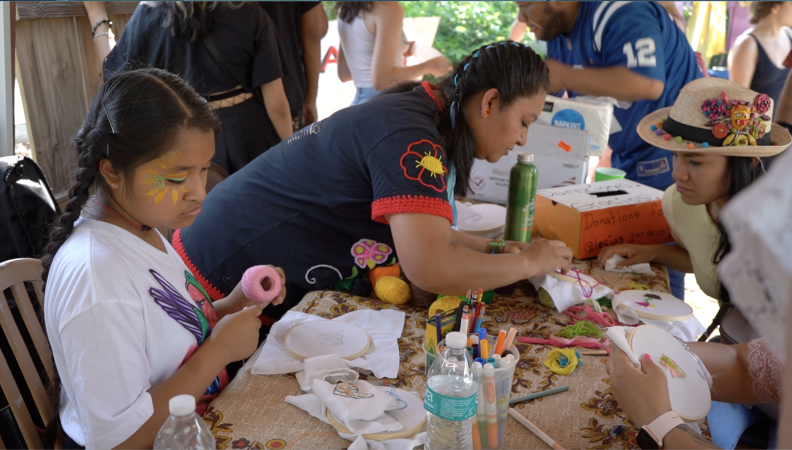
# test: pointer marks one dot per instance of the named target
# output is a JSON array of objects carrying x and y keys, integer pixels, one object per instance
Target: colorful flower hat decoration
[{"x": 716, "y": 116}]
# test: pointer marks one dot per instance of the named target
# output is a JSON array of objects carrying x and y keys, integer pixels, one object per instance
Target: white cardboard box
[{"x": 559, "y": 157}]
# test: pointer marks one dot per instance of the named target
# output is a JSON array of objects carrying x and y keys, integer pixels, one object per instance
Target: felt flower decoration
[
  {"x": 762, "y": 103},
  {"x": 423, "y": 162},
  {"x": 713, "y": 108},
  {"x": 369, "y": 253}
]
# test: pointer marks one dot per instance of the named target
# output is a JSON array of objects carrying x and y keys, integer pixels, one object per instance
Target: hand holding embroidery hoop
[
  {"x": 261, "y": 284},
  {"x": 688, "y": 387}
]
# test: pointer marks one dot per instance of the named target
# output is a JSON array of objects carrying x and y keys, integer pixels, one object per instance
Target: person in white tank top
[{"x": 374, "y": 48}]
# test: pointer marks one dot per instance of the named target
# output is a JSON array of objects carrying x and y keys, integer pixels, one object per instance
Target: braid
[{"x": 510, "y": 67}]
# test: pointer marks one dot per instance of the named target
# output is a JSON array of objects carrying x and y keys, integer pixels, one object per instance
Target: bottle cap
[
  {"x": 181, "y": 405},
  {"x": 455, "y": 339},
  {"x": 525, "y": 158}
]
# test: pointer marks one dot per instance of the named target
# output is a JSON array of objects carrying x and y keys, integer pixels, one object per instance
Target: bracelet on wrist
[
  {"x": 97, "y": 24},
  {"x": 496, "y": 246},
  {"x": 103, "y": 33}
]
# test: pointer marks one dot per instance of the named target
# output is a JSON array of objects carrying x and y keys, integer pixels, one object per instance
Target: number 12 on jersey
[{"x": 645, "y": 48}]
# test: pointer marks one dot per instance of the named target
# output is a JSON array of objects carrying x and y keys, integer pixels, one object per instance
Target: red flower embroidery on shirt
[{"x": 423, "y": 162}]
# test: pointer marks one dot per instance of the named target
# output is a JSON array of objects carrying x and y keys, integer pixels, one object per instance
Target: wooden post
[{"x": 6, "y": 82}]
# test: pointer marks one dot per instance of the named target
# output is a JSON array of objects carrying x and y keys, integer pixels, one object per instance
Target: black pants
[{"x": 245, "y": 132}]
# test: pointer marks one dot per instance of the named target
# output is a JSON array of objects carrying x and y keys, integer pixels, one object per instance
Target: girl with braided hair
[
  {"x": 375, "y": 183},
  {"x": 129, "y": 325}
]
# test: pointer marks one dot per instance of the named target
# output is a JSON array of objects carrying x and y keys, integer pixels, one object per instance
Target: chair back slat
[
  {"x": 18, "y": 407},
  {"x": 14, "y": 274},
  {"x": 33, "y": 325},
  {"x": 24, "y": 360}
]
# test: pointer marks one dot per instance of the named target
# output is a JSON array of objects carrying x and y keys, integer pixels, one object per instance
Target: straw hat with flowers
[{"x": 716, "y": 116}]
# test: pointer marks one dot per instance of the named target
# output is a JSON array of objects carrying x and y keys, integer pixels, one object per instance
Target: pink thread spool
[{"x": 254, "y": 281}]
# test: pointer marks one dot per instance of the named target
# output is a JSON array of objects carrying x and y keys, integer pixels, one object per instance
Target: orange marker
[
  {"x": 476, "y": 437},
  {"x": 499, "y": 343}
]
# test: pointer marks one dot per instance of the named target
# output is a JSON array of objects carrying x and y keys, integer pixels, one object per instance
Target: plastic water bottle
[
  {"x": 184, "y": 429},
  {"x": 450, "y": 401}
]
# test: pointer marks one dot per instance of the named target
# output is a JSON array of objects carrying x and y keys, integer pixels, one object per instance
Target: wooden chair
[{"x": 14, "y": 274}]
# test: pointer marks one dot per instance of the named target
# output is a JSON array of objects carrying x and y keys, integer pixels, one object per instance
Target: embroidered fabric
[{"x": 767, "y": 372}]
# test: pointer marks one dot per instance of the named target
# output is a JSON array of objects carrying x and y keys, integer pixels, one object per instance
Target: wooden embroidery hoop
[
  {"x": 687, "y": 394},
  {"x": 570, "y": 279},
  {"x": 415, "y": 404},
  {"x": 675, "y": 309},
  {"x": 300, "y": 342}
]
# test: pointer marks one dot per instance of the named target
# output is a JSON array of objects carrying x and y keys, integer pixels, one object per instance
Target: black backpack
[{"x": 27, "y": 208}]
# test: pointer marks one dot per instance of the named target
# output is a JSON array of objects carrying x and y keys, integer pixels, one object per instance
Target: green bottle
[{"x": 522, "y": 198}]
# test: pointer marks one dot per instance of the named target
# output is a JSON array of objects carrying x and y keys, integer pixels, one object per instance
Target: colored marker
[
  {"x": 481, "y": 413},
  {"x": 509, "y": 339},
  {"x": 479, "y": 320},
  {"x": 499, "y": 343},
  {"x": 538, "y": 394},
  {"x": 474, "y": 340},
  {"x": 480, "y": 360},
  {"x": 482, "y": 334},
  {"x": 491, "y": 407},
  {"x": 492, "y": 361},
  {"x": 532, "y": 428},
  {"x": 484, "y": 347}
]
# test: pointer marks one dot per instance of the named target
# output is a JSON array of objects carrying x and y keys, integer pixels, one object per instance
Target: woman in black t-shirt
[
  {"x": 228, "y": 53},
  {"x": 375, "y": 183}
]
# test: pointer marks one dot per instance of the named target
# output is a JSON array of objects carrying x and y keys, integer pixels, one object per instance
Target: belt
[{"x": 229, "y": 98}]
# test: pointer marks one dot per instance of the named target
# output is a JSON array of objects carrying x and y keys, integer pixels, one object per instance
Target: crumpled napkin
[
  {"x": 310, "y": 403},
  {"x": 644, "y": 269},
  {"x": 330, "y": 368},
  {"x": 566, "y": 294},
  {"x": 383, "y": 327},
  {"x": 688, "y": 330},
  {"x": 358, "y": 406}
]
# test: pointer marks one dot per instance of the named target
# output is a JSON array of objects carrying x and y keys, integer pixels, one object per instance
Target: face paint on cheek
[{"x": 158, "y": 180}]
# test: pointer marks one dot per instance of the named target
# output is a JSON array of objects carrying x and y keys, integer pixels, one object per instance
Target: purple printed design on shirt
[{"x": 180, "y": 309}]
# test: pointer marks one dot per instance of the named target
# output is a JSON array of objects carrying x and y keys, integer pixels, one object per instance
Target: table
[{"x": 251, "y": 413}]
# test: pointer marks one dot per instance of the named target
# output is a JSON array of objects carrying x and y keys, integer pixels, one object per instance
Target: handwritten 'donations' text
[{"x": 628, "y": 225}]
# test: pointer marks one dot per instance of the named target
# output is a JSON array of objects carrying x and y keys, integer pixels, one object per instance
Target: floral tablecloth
[{"x": 251, "y": 413}]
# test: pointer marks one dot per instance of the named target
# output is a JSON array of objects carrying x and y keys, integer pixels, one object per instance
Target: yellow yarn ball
[
  {"x": 444, "y": 303},
  {"x": 387, "y": 271},
  {"x": 552, "y": 361},
  {"x": 392, "y": 290}
]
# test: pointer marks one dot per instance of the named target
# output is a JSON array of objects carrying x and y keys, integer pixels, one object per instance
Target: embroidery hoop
[
  {"x": 668, "y": 307},
  {"x": 690, "y": 396},
  {"x": 412, "y": 418},
  {"x": 301, "y": 341}
]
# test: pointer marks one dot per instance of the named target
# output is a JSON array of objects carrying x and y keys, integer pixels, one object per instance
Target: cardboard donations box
[
  {"x": 592, "y": 216},
  {"x": 559, "y": 156}
]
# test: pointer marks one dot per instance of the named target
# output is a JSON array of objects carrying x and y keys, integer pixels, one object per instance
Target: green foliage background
[{"x": 464, "y": 26}]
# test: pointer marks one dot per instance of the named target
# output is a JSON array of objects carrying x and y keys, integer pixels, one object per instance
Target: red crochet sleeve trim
[
  {"x": 213, "y": 292},
  {"x": 401, "y": 204},
  {"x": 429, "y": 91}
]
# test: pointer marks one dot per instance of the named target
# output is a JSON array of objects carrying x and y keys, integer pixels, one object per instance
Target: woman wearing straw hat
[{"x": 723, "y": 140}]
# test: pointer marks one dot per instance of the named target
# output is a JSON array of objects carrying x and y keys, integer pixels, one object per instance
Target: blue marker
[
  {"x": 482, "y": 332},
  {"x": 480, "y": 360}
]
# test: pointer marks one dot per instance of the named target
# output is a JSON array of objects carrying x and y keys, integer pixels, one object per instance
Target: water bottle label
[{"x": 450, "y": 408}]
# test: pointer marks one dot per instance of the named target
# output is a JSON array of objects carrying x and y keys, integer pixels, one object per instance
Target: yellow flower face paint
[{"x": 158, "y": 180}]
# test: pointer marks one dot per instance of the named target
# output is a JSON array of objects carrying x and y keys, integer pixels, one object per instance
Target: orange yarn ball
[
  {"x": 387, "y": 271},
  {"x": 392, "y": 290}
]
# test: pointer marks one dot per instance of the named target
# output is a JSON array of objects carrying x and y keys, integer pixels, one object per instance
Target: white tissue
[{"x": 644, "y": 269}]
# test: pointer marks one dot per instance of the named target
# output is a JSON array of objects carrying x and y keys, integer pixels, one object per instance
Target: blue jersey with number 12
[{"x": 642, "y": 37}]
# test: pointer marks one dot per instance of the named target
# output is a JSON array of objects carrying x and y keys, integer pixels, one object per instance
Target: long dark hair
[
  {"x": 347, "y": 11},
  {"x": 189, "y": 20},
  {"x": 742, "y": 172},
  {"x": 513, "y": 69},
  {"x": 133, "y": 119}
]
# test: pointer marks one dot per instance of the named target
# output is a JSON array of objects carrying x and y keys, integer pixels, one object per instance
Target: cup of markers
[{"x": 494, "y": 371}]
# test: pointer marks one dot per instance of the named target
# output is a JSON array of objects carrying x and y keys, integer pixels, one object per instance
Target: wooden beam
[{"x": 54, "y": 10}]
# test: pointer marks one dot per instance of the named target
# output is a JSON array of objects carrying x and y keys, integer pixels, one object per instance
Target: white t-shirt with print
[{"x": 111, "y": 340}]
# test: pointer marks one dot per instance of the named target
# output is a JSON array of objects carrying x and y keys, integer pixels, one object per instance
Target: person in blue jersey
[{"x": 631, "y": 51}]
